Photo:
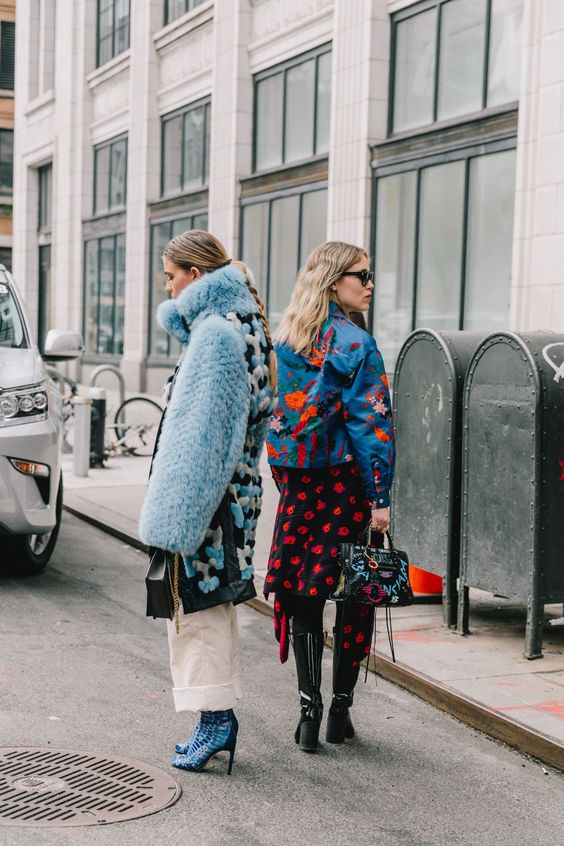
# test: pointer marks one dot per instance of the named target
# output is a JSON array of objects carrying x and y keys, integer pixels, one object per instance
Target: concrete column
[
  {"x": 143, "y": 167},
  {"x": 231, "y": 119},
  {"x": 359, "y": 108},
  {"x": 537, "y": 297}
]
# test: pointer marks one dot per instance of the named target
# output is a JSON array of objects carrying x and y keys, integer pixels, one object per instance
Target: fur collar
[{"x": 220, "y": 292}]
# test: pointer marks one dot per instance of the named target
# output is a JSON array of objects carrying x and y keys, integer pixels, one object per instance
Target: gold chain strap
[{"x": 175, "y": 596}]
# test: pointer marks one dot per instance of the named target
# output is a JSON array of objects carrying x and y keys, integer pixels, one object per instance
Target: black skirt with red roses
[{"x": 319, "y": 509}]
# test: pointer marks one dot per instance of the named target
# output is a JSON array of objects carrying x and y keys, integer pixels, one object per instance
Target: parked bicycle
[{"x": 135, "y": 422}]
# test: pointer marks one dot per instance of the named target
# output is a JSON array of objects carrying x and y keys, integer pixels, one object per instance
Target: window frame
[
  {"x": 8, "y": 190},
  {"x": 301, "y": 190},
  {"x": 189, "y": 6},
  {"x": 412, "y": 12},
  {"x": 96, "y": 149},
  {"x": 283, "y": 68},
  {"x": 473, "y": 150},
  {"x": 100, "y": 64},
  {"x": 44, "y": 225},
  {"x": 93, "y": 355},
  {"x": 3, "y": 25},
  {"x": 204, "y": 102}
]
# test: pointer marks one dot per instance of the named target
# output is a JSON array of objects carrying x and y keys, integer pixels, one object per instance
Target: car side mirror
[{"x": 63, "y": 346}]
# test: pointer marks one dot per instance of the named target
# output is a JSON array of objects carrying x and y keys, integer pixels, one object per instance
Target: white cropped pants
[{"x": 204, "y": 659}]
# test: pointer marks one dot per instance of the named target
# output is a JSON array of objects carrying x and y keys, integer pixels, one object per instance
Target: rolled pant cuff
[{"x": 218, "y": 697}]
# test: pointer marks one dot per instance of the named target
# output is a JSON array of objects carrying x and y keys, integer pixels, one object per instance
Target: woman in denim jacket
[{"x": 331, "y": 448}]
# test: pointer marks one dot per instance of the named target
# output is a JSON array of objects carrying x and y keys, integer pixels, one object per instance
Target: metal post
[
  {"x": 98, "y": 424},
  {"x": 81, "y": 450}
]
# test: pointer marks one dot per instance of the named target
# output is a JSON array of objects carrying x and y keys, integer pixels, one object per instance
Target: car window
[{"x": 12, "y": 332}]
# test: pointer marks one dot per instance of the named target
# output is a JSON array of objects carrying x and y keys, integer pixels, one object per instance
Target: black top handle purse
[{"x": 373, "y": 575}]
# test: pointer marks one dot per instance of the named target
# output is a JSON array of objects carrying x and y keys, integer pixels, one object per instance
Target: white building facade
[{"x": 430, "y": 132}]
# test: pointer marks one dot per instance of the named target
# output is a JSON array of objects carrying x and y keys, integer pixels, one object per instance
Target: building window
[
  {"x": 6, "y": 161},
  {"x": 110, "y": 176},
  {"x": 292, "y": 103},
  {"x": 185, "y": 149},
  {"x": 160, "y": 342},
  {"x": 104, "y": 271},
  {"x": 45, "y": 304},
  {"x": 278, "y": 235},
  {"x": 175, "y": 8},
  {"x": 112, "y": 29},
  {"x": 7, "y": 54},
  {"x": 45, "y": 176},
  {"x": 443, "y": 246},
  {"x": 453, "y": 58},
  {"x": 6, "y": 257}
]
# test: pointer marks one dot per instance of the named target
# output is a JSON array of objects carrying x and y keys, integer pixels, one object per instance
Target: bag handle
[{"x": 368, "y": 535}]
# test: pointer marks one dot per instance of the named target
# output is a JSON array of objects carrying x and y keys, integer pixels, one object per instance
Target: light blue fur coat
[{"x": 214, "y": 427}]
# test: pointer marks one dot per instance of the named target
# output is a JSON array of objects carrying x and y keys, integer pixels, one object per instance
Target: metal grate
[{"x": 57, "y": 787}]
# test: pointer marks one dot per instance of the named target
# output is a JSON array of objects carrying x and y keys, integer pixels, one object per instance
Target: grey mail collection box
[
  {"x": 512, "y": 531},
  {"x": 428, "y": 391}
]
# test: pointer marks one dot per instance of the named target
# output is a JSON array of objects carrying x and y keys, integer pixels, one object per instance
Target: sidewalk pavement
[{"x": 482, "y": 679}]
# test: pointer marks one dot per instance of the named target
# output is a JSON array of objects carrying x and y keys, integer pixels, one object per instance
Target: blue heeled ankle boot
[{"x": 216, "y": 732}]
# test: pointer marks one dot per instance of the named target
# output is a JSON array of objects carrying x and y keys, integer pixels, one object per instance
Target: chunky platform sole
[
  {"x": 338, "y": 729},
  {"x": 309, "y": 736}
]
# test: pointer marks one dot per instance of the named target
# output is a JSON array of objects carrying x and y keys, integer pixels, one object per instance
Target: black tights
[{"x": 307, "y": 618}]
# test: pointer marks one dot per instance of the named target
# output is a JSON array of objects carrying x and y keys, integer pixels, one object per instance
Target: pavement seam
[{"x": 463, "y": 708}]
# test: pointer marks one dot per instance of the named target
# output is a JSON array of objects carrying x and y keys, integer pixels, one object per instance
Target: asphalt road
[{"x": 82, "y": 668}]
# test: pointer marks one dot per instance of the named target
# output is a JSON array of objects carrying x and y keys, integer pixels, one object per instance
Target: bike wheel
[{"x": 136, "y": 425}]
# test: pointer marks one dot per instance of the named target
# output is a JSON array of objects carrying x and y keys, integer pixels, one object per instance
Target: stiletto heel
[{"x": 216, "y": 732}]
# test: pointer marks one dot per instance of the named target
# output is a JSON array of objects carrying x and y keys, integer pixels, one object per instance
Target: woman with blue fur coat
[{"x": 205, "y": 491}]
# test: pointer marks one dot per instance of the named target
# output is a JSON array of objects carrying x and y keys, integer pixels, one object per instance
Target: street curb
[{"x": 463, "y": 708}]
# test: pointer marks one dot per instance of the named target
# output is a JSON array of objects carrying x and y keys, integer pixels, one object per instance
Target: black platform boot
[
  {"x": 339, "y": 723},
  {"x": 308, "y": 651}
]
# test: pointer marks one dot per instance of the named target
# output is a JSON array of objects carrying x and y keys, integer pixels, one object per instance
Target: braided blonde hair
[{"x": 200, "y": 249}]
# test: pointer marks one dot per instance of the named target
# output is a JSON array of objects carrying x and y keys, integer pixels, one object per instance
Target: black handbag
[
  {"x": 373, "y": 575},
  {"x": 162, "y": 586}
]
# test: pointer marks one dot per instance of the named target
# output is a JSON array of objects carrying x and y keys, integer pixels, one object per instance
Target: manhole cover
[{"x": 56, "y": 787}]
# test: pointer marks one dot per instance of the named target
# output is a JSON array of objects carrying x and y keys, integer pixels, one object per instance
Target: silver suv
[{"x": 31, "y": 486}]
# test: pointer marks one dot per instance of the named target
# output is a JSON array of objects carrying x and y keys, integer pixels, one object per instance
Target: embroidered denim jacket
[{"x": 334, "y": 406}]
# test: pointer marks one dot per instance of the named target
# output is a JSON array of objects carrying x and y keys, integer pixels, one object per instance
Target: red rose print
[
  {"x": 302, "y": 495},
  {"x": 290, "y": 509},
  {"x": 335, "y": 471},
  {"x": 309, "y": 515},
  {"x": 313, "y": 591},
  {"x": 317, "y": 549},
  {"x": 320, "y": 505},
  {"x": 337, "y": 511},
  {"x": 285, "y": 478},
  {"x": 269, "y": 578},
  {"x": 344, "y": 531},
  {"x": 355, "y": 663},
  {"x": 300, "y": 585},
  {"x": 334, "y": 552},
  {"x": 277, "y": 564},
  {"x": 327, "y": 527},
  {"x": 295, "y": 560},
  {"x": 347, "y": 629},
  {"x": 302, "y": 530},
  {"x": 288, "y": 584},
  {"x": 318, "y": 489},
  {"x": 277, "y": 607},
  {"x": 306, "y": 480},
  {"x": 286, "y": 526},
  {"x": 352, "y": 500},
  {"x": 359, "y": 638},
  {"x": 358, "y": 517},
  {"x": 366, "y": 650},
  {"x": 280, "y": 509},
  {"x": 317, "y": 568},
  {"x": 330, "y": 580},
  {"x": 338, "y": 487},
  {"x": 346, "y": 644},
  {"x": 289, "y": 539}
]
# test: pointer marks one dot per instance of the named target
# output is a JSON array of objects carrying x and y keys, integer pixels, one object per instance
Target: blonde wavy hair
[
  {"x": 309, "y": 305},
  {"x": 200, "y": 249}
]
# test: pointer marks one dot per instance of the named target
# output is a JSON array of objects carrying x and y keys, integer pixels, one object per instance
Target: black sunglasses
[{"x": 365, "y": 276}]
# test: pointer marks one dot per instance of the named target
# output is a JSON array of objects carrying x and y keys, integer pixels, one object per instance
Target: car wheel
[{"x": 30, "y": 553}]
